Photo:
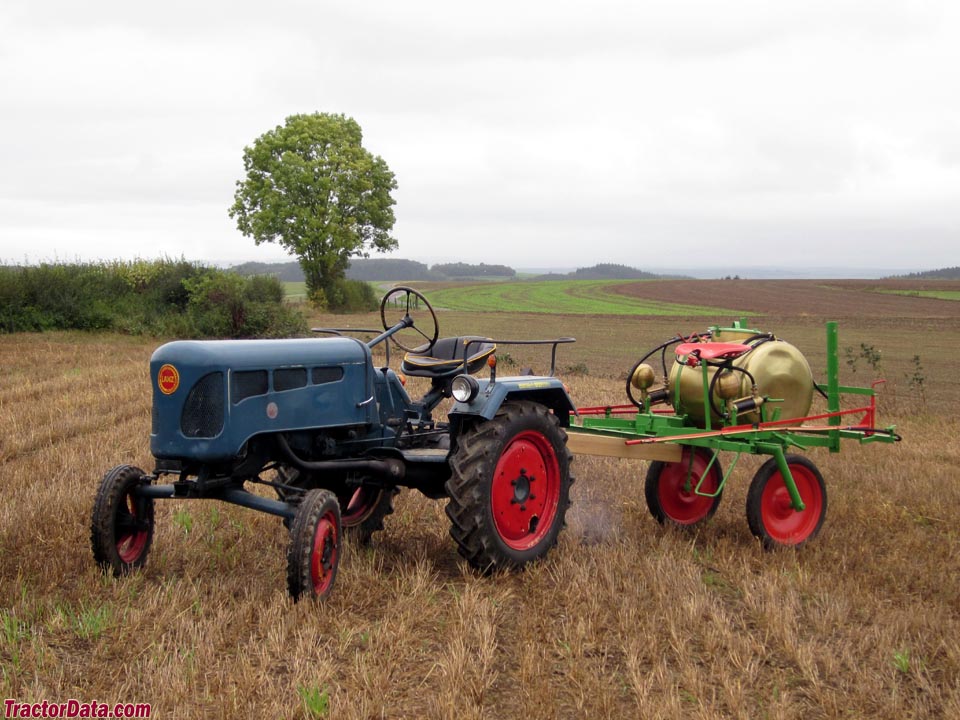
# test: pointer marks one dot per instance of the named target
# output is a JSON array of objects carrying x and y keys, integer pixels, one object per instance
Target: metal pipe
[
  {"x": 158, "y": 492},
  {"x": 246, "y": 499},
  {"x": 833, "y": 383},
  {"x": 234, "y": 496},
  {"x": 394, "y": 469},
  {"x": 784, "y": 467}
]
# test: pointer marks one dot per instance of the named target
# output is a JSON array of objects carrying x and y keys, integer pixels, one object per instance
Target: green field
[
  {"x": 573, "y": 297},
  {"x": 296, "y": 291}
]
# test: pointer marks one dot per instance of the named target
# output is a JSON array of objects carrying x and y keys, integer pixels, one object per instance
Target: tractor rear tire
[
  {"x": 121, "y": 525},
  {"x": 314, "y": 552},
  {"x": 770, "y": 512},
  {"x": 509, "y": 487},
  {"x": 670, "y": 500}
]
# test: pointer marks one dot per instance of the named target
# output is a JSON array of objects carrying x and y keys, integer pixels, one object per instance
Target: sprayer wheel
[
  {"x": 770, "y": 511},
  {"x": 670, "y": 488}
]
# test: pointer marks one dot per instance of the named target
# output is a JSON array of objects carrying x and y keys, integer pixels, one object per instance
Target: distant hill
[
  {"x": 603, "y": 271},
  {"x": 387, "y": 269},
  {"x": 950, "y": 273},
  {"x": 609, "y": 271},
  {"x": 466, "y": 270},
  {"x": 287, "y": 272}
]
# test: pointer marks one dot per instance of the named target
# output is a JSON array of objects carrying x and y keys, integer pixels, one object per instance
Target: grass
[
  {"x": 572, "y": 297},
  {"x": 623, "y": 619},
  {"x": 295, "y": 291},
  {"x": 316, "y": 702},
  {"x": 937, "y": 294}
]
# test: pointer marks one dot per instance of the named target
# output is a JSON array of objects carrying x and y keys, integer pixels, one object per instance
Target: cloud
[{"x": 601, "y": 132}]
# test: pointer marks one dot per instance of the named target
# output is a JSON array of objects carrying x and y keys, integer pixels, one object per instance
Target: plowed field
[{"x": 827, "y": 298}]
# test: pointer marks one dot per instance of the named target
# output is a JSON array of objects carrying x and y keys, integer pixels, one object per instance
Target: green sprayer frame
[{"x": 643, "y": 432}]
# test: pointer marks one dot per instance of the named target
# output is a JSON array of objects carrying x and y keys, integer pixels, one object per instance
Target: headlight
[{"x": 464, "y": 388}]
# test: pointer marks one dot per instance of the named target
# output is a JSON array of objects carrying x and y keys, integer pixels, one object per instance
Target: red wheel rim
[
  {"x": 359, "y": 505},
  {"x": 677, "y": 498},
  {"x": 782, "y": 523},
  {"x": 323, "y": 559},
  {"x": 525, "y": 490},
  {"x": 130, "y": 542}
]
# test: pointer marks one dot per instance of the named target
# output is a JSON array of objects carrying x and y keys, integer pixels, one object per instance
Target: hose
[{"x": 662, "y": 347}]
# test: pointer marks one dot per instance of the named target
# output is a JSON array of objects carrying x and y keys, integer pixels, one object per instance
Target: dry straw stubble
[{"x": 624, "y": 619}]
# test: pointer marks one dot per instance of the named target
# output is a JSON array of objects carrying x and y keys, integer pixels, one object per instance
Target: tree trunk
[{"x": 322, "y": 275}]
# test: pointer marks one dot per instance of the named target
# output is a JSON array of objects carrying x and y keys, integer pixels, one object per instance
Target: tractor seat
[
  {"x": 445, "y": 358},
  {"x": 712, "y": 350}
]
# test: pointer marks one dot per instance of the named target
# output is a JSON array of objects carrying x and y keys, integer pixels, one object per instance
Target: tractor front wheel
[
  {"x": 121, "y": 526},
  {"x": 314, "y": 552},
  {"x": 509, "y": 487},
  {"x": 671, "y": 488},
  {"x": 770, "y": 511},
  {"x": 363, "y": 508}
]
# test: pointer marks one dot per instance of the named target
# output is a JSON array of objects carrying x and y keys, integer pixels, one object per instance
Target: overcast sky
[{"x": 536, "y": 134}]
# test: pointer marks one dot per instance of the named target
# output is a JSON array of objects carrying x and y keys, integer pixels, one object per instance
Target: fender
[{"x": 546, "y": 390}]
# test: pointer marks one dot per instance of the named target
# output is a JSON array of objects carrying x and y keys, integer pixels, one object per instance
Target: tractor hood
[{"x": 210, "y": 397}]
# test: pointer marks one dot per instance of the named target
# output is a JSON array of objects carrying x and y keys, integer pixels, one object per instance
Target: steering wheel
[{"x": 403, "y": 299}]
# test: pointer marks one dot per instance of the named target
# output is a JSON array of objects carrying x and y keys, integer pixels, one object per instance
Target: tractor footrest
[{"x": 419, "y": 455}]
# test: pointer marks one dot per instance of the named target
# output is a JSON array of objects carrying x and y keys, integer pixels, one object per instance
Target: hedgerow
[{"x": 159, "y": 297}]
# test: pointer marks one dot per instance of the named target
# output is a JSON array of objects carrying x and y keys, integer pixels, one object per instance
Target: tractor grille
[
  {"x": 202, "y": 415},
  {"x": 323, "y": 375},
  {"x": 248, "y": 383},
  {"x": 289, "y": 379}
]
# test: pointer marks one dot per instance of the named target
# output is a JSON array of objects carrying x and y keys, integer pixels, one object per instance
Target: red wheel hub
[
  {"x": 525, "y": 490},
  {"x": 131, "y": 541},
  {"x": 358, "y": 506},
  {"x": 676, "y": 486},
  {"x": 783, "y": 523},
  {"x": 323, "y": 559}
]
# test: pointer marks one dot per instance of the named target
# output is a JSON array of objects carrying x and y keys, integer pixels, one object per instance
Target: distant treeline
[
  {"x": 383, "y": 269},
  {"x": 161, "y": 297},
  {"x": 387, "y": 269},
  {"x": 950, "y": 273}
]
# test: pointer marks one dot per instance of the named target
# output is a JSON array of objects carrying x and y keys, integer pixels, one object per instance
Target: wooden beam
[{"x": 582, "y": 443}]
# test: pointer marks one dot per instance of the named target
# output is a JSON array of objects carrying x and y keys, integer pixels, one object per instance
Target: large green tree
[{"x": 313, "y": 188}]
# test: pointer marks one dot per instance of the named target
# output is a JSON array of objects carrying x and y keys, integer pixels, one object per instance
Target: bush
[
  {"x": 224, "y": 304},
  {"x": 46, "y": 296},
  {"x": 350, "y": 296},
  {"x": 163, "y": 297},
  {"x": 265, "y": 288}
]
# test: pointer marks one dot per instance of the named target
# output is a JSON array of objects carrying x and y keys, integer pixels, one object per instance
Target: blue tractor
[{"x": 335, "y": 436}]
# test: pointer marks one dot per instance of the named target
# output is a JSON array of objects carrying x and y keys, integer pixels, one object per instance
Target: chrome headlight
[{"x": 464, "y": 388}]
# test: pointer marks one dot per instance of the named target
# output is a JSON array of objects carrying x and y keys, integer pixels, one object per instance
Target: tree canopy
[{"x": 312, "y": 187}]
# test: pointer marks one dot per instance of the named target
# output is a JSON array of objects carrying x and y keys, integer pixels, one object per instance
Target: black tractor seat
[{"x": 445, "y": 358}]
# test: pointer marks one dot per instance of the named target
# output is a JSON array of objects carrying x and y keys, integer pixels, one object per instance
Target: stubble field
[{"x": 623, "y": 619}]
